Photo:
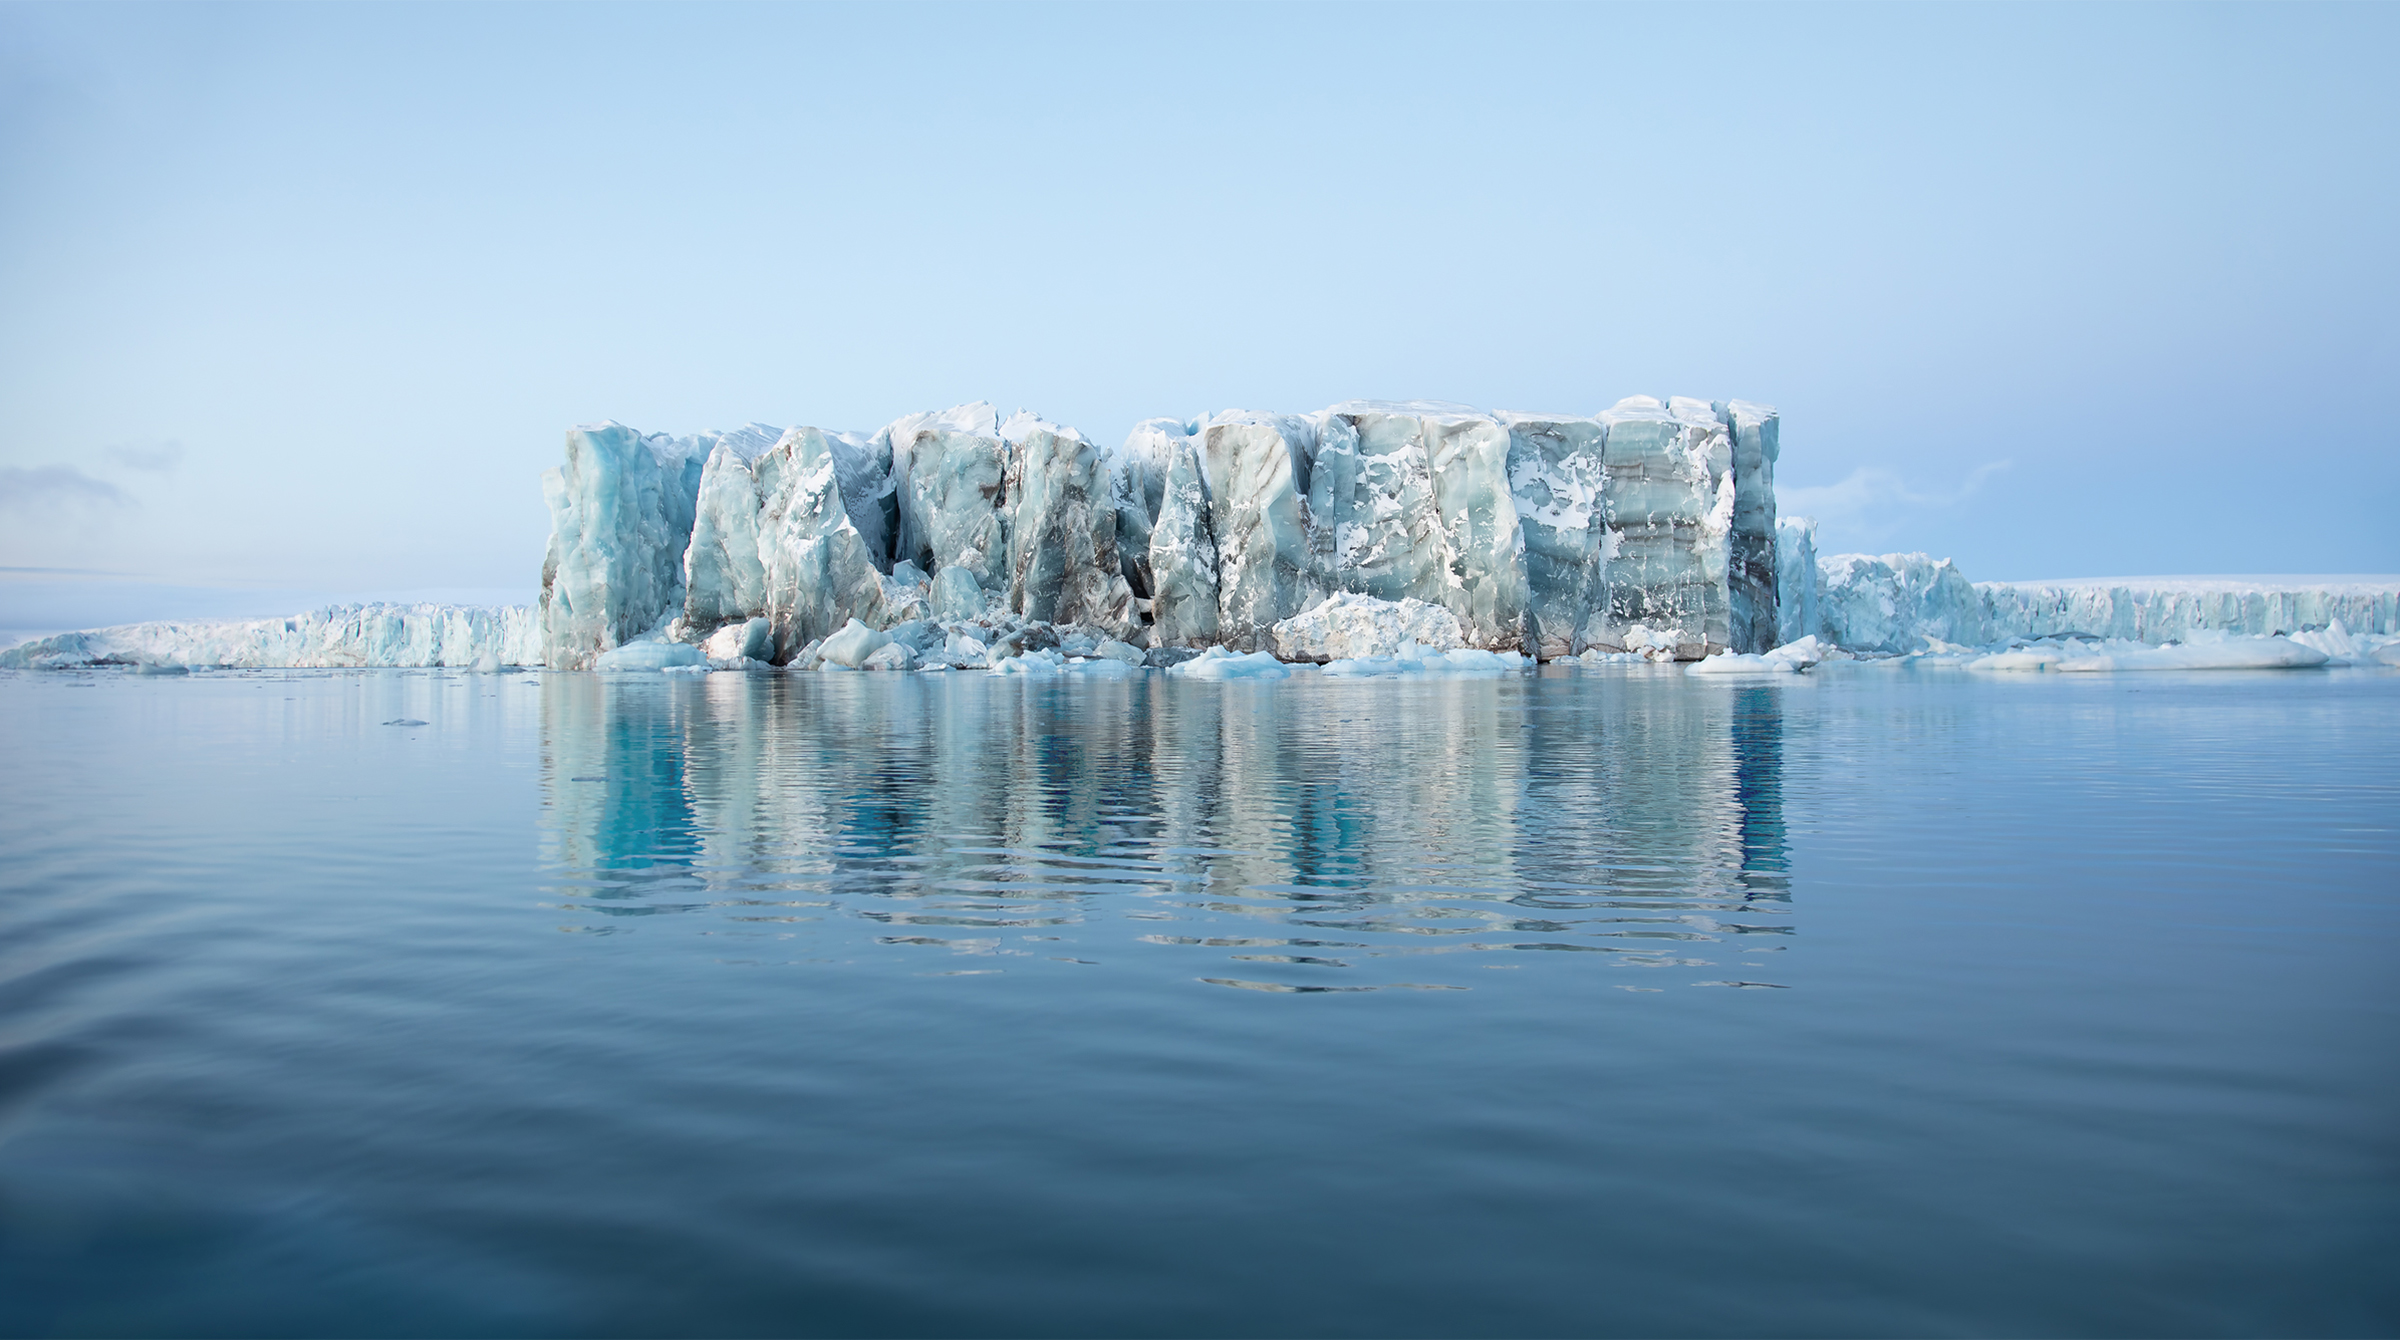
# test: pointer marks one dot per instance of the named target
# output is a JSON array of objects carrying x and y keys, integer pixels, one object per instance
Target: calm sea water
[{"x": 1871, "y": 1002}]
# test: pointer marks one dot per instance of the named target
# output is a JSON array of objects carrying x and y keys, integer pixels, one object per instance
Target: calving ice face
[{"x": 1544, "y": 535}]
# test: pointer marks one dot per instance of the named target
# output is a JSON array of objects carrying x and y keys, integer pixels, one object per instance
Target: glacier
[
  {"x": 1372, "y": 537},
  {"x": 1647, "y": 527}
]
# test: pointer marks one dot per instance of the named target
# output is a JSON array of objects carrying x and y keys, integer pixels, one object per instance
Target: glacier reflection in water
[
  {"x": 1304, "y": 836},
  {"x": 434, "y": 1003}
]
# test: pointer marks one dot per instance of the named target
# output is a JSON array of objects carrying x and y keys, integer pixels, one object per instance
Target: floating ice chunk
[
  {"x": 1040, "y": 663},
  {"x": 1119, "y": 651},
  {"x": 1802, "y": 652},
  {"x": 890, "y": 656},
  {"x": 1103, "y": 667},
  {"x": 1789, "y": 658},
  {"x": 1219, "y": 663},
  {"x": 650, "y": 656},
  {"x": 2218, "y": 653},
  {"x": 1473, "y": 661},
  {"x": 963, "y": 650},
  {"x": 851, "y": 646},
  {"x": 750, "y": 640},
  {"x": 2341, "y": 648},
  {"x": 683, "y": 669},
  {"x": 1348, "y": 626},
  {"x": 1412, "y": 659},
  {"x": 2018, "y": 661},
  {"x": 1740, "y": 663}
]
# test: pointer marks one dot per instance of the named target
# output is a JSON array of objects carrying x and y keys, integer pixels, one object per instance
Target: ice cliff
[{"x": 1647, "y": 525}]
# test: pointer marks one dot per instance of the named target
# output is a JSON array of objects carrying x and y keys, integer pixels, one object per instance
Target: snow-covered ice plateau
[{"x": 341, "y": 637}]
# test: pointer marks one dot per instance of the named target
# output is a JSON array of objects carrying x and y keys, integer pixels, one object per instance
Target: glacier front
[
  {"x": 1363, "y": 535},
  {"x": 1649, "y": 526}
]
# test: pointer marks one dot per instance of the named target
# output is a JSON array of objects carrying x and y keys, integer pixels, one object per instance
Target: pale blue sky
[{"x": 301, "y": 299}]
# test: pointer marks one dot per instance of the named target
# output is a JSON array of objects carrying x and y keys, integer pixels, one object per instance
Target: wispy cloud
[
  {"x": 24, "y": 489},
  {"x": 1870, "y": 503},
  {"x": 158, "y": 458}
]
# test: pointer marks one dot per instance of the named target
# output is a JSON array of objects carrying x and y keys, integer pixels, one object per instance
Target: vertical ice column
[
  {"x": 620, "y": 516},
  {"x": 1063, "y": 564},
  {"x": 1183, "y": 553},
  {"x": 1895, "y": 602},
  {"x": 819, "y": 571},
  {"x": 951, "y": 471},
  {"x": 1257, "y": 468},
  {"x": 725, "y": 577},
  {"x": 1669, "y": 506},
  {"x": 1796, "y": 580},
  {"x": 794, "y": 532},
  {"x": 1410, "y": 499},
  {"x": 1137, "y": 481},
  {"x": 1556, "y": 467},
  {"x": 1479, "y": 528},
  {"x": 1750, "y": 569},
  {"x": 1374, "y": 527}
]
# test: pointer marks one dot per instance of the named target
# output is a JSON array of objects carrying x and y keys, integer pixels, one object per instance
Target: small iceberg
[
  {"x": 650, "y": 656},
  {"x": 1788, "y": 659},
  {"x": 1414, "y": 658},
  {"x": 1218, "y": 663},
  {"x": 2221, "y": 651}
]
